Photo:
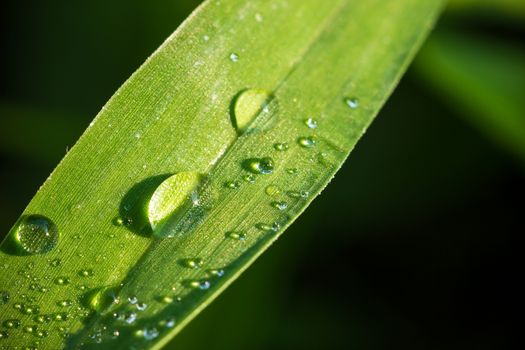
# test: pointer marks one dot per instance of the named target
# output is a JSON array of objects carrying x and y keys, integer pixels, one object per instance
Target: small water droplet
[
  {"x": 234, "y": 57},
  {"x": 281, "y": 146},
  {"x": 4, "y": 335},
  {"x": 216, "y": 272},
  {"x": 36, "y": 234},
  {"x": 86, "y": 273},
  {"x": 272, "y": 190},
  {"x": 133, "y": 299},
  {"x": 65, "y": 303},
  {"x": 168, "y": 323},
  {"x": 259, "y": 165},
  {"x": 311, "y": 123},
  {"x": 232, "y": 184},
  {"x": 171, "y": 196},
  {"x": 30, "y": 309},
  {"x": 268, "y": 228},
  {"x": 306, "y": 141},
  {"x": 249, "y": 178},
  {"x": 167, "y": 299},
  {"x": 246, "y": 106},
  {"x": 292, "y": 171},
  {"x": 239, "y": 236},
  {"x": 199, "y": 284},
  {"x": 205, "y": 37},
  {"x": 352, "y": 102},
  {"x": 4, "y": 297},
  {"x": 130, "y": 318},
  {"x": 29, "y": 329},
  {"x": 55, "y": 262},
  {"x": 62, "y": 280},
  {"x": 11, "y": 323},
  {"x": 150, "y": 333},
  {"x": 61, "y": 316},
  {"x": 298, "y": 194},
  {"x": 191, "y": 263},
  {"x": 280, "y": 205},
  {"x": 141, "y": 306}
]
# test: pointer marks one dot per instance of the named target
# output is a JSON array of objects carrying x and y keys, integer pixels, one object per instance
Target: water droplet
[
  {"x": 150, "y": 333},
  {"x": 130, "y": 318},
  {"x": 234, "y": 57},
  {"x": 280, "y": 205},
  {"x": 36, "y": 234},
  {"x": 192, "y": 263},
  {"x": 352, "y": 102},
  {"x": 11, "y": 323},
  {"x": 167, "y": 299},
  {"x": 232, "y": 184},
  {"x": 239, "y": 236},
  {"x": 29, "y": 329},
  {"x": 281, "y": 147},
  {"x": 216, "y": 272},
  {"x": 272, "y": 190},
  {"x": 86, "y": 273},
  {"x": 141, "y": 306},
  {"x": 171, "y": 195},
  {"x": 298, "y": 194},
  {"x": 268, "y": 228},
  {"x": 259, "y": 165},
  {"x": 133, "y": 299},
  {"x": 41, "y": 333},
  {"x": 292, "y": 171},
  {"x": 168, "y": 323},
  {"x": 62, "y": 280},
  {"x": 65, "y": 303},
  {"x": 205, "y": 37},
  {"x": 311, "y": 123},
  {"x": 4, "y": 335},
  {"x": 60, "y": 316},
  {"x": 202, "y": 285},
  {"x": 258, "y": 17},
  {"x": 4, "y": 297},
  {"x": 30, "y": 309},
  {"x": 55, "y": 262},
  {"x": 247, "y": 105},
  {"x": 306, "y": 141},
  {"x": 249, "y": 178}
]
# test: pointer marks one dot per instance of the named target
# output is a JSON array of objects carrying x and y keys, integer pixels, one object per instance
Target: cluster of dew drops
[{"x": 37, "y": 234}]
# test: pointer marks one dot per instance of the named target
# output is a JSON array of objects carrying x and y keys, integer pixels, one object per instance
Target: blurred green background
[{"x": 413, "y": 245}]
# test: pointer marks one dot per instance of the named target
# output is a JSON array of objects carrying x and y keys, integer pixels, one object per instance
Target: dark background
[{"x": 414, "y": 245}]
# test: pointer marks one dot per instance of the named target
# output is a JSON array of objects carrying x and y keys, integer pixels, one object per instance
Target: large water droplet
[
  {"x": 191, "y": 263},
  {"x": 246, "y": 106},
  {"x": 259, "y": 165},
  {"x": 234, "y": 57},
  {"x": 4, "y": 297},
  {"x": 36, "y": 234},
  {"x": 171, "y": 195},
  {"x": 311, "y": 123},
  {"x": 306, "y": 141}
]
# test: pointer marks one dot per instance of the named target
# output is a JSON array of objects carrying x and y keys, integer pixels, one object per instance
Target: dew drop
[
  {"x": 216, "y": 272},
  {"x": 239, "y": 236},
  {"x": 191, "y": 263},
  {"x": 272, "y": 190},
  {"x": 268, "y": 228},
  {"x": 311, "y": 123},
  {"x": 246, "y": 106},
  {"x": 167, "y": 299},
  {"x": 133, "y": 299},
  {"x": 281, "y": 146},
  {"x": 298, "y": 194},
  {"x": 292, "y": 171},
  {"x": 306, "y": 141},
  {"x": 280, "y": 205},
  {"x": 4, "y": 297},
  {"x": 55, "y": 262},
  {"x": 202, "y": 285},
  {"x": 171, "y": 195},
  {"x": 168, "y": 323},
  {"x": 130, "y": 318},
  {"x": 62, "y": 281},
  {"x": 141, "y": 306},
  {"x": 232, "y": 184},
  {"x": 86, "y": 273},
  {"x": 352, "y": 102},
  {"x": 11, "y": 323},
  {"x": 4, "y": 335},
  {"x": 249, "y": 178},
  {"x": 234, "y": 57},
  {"x": 36, "y": 234},
  {"x": 65, "y": 303},
  {"x": 259, "y": 165}
]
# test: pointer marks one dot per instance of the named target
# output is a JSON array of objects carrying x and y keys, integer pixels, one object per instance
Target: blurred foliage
[{"x": 414, "y": 244}]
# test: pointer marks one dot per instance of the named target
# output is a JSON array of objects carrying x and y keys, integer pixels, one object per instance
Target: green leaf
[
  {"x": 482, "y": 79},
  {"x": 248, "y": 109}
]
